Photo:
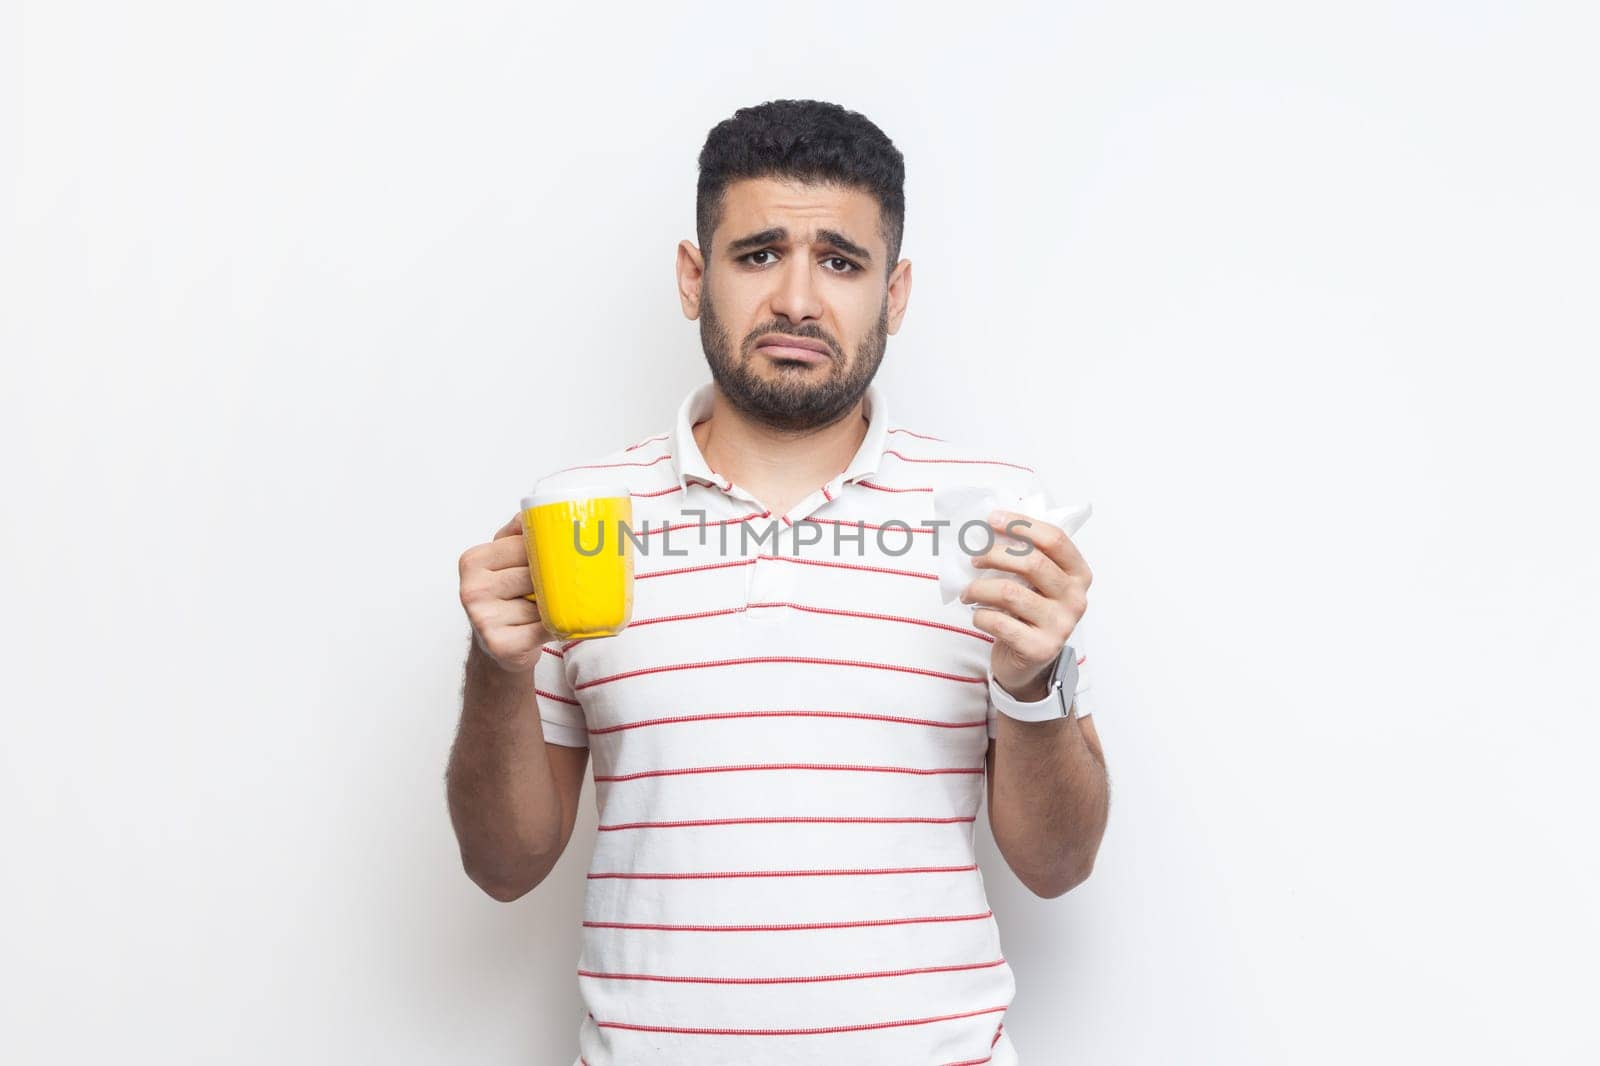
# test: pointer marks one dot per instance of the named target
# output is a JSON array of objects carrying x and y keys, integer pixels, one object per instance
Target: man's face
[{"x": 794, "y": 261}]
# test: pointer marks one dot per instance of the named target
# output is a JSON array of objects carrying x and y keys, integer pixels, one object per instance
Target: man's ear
[
  {"x": 899, "y": 293},
  {"x": 691, "y": 275}
]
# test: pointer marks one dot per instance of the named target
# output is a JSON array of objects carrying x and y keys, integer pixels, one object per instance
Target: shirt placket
[
  {"x": 769, "y": 579},
  {"x": 740, "y": 544}
]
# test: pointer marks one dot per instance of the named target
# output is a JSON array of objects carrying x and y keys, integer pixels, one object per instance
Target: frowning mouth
[{"x": 797, "y": 349}]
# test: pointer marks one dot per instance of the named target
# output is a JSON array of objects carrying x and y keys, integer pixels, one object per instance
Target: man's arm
[
  {"x": 513, "y": 797},
  {"x": 1048, "y": 791},
  {"x": 1049, "y": 796}
]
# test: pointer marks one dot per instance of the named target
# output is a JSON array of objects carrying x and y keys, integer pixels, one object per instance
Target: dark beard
[{"x": 789, "y": 402}]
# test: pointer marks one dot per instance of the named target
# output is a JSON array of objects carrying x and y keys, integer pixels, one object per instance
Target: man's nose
[{"x": 797, "y": 297}]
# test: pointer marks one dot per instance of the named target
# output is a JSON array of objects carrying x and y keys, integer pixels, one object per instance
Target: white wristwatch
[{"x": 1057, "y": 700}]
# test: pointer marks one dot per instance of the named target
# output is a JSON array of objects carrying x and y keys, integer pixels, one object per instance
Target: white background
[{"x": 300, "y": 298}]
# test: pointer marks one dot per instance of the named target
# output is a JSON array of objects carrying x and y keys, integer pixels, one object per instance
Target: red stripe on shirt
[
  {"x": 986, "y": 462},
  {"x": 880, "y": 617},
  {"x": 790, "y": 927},
  {"x": 789, "y": 559},
  {"x": 924, "y": 436},
  {"x": 987, "y": 1058},
  {"x": 648, "y": 440},
  {"x": 689, "y": 525},
  {"x": 676, "y": 718},
  {"x": 692, "y": 569},
  {"x": 686, "y": 616},
  {"x": 637, "y": 774},
  {"x": 851, "y": 566},
  {"x": 609, "y": 466},
  {"x": 799, "y": 1032},
  {"x": 666, "y": 573},
  {"x": 864, "y": 483},
  {"x": 659, "y": 492},
  {"x": 863, "y": 820},
  {"x": 553, "y": 696},
  {"x": 788, "y": 980},
  {"x": 719, "y": 874},
  {"x": 907, "y": 528},
  {"x": 806, "y": 659},
  {"x": 720, "y": 611}
]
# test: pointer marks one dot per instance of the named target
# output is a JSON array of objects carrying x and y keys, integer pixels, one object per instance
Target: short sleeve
[
  {"x": 1081, "y": 696},
  {"x": 560, "y": 713}
]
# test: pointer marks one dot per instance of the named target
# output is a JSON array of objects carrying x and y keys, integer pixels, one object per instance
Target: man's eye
[{"x": 847, "y": 268}]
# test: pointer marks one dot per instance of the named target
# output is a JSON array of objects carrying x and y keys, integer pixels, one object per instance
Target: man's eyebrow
[{"x": 778, "y": 235}]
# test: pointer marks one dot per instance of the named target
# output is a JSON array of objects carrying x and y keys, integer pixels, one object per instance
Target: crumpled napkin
[{"x": 972, "y": 503}]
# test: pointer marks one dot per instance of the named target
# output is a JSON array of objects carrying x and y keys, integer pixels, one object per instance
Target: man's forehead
[{"x": 756, "y": 204}]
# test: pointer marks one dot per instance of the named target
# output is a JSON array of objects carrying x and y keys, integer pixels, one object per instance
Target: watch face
[{"x": 1068, "y": 655}]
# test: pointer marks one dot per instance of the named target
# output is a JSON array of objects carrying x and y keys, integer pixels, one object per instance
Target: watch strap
[{"x": 1055, "y": 703}]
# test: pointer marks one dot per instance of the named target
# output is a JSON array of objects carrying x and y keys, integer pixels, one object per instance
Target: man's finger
[
  {"x": 1019, "y": 601},
  {"x": 511, "y": 581},
  {"x": 1050, "y": 539},
  {"x": 1033, "y": 566},
  {"x": 504, "y": 553},
  {"x": 500, "y": 614}
]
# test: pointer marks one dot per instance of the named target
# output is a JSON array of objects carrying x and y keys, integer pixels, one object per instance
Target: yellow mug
[{"x": 581, "y": 563}]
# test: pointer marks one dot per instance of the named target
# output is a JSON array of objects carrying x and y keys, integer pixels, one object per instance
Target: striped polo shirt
[{"x": 788, "y": 747}]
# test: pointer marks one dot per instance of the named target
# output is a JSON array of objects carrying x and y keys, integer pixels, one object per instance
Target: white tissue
[{"x": 965, "y": 503}]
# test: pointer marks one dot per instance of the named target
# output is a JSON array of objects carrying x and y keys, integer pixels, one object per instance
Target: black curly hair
[{"x": 808, "y": 140}]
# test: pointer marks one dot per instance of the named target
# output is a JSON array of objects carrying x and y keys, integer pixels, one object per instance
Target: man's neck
[{"x": 780, "y": 467}]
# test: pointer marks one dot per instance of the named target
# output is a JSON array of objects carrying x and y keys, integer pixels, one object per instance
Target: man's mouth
[{"x": 798, "y": 349}]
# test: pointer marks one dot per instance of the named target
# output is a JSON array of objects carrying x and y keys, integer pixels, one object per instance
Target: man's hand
[
  {"x": 1030, "y": 625},
  {"x": 494, "y": 580}
]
